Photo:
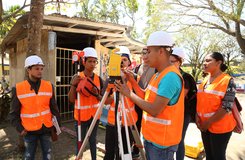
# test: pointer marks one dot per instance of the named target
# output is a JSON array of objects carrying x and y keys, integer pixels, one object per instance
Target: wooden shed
[{"x": 61, "y": 36}]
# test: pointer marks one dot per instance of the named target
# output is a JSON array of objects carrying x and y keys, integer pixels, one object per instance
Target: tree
[
  {"x": 5, "y": 27},
  {"x": 35, "y": 24},
  {"x": 197, "y": 43},
  {"x": 100, "y": 10},
  {"x": 156, "y": 18},
  {"x": 224, "y": 15},
  {"x": 231, "y": 52},
  {"x": 17, "y": 12},
  {"x": 8, "y": 23},
  {"x": 109, "y": 10},
  {"x": 130, "y": 8}
]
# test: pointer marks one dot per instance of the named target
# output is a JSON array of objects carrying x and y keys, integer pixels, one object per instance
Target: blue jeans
[
  {"x": 31, "y": 141},
  {"x": 180, "y": 154},
  {"x": 155, "y": 153},
  {"x": 92, "y": 139}
]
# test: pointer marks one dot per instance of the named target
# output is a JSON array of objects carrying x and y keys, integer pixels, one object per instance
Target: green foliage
[
  {"x": 8, "y": 23},
  {"x": 240, "y": 68},
  {"x": 108, "y": 10},
  {"x": 157, "y": 19},
  {"x": 132, "y": 6}
]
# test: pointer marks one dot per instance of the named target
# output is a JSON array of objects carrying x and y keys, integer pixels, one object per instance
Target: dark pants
[
  {"x": 31, "y": 141},
  {"x": 92, "y": 139},
  {"x": 215, "y": 145},
  {"x": 180, "y": 154},
  {"x": 111, "y": 142}
]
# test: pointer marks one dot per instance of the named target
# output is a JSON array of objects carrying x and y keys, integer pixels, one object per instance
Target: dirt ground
[{"x": 64, "y": 148}]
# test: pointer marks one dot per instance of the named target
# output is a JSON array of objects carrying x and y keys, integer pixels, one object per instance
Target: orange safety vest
[
  {"x": 166, "y": 128},
  {"x": 209, "y": 101},
  {"x": 88, "y": 105},
  {"x": 132, "y": 116},
  {"x": 35, "y": 109}
]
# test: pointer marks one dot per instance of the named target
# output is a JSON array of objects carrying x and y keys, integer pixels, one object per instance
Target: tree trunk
[
  {"x": 35, "y": 23},
  {"x": 240, "y": 39}
]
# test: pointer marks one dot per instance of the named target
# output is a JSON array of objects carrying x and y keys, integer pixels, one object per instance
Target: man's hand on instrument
[
  {"x": 122, "y": 88},
  {"x": 129, "y": 74}
]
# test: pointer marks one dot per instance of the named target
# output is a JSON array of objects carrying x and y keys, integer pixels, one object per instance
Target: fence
[{"x": 64, "y": 72}]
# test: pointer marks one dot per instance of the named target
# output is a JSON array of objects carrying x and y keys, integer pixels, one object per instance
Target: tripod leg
[
  {"x": 136, "y": 135},
  {"x": 98, "y": 112},
  {"x": 129, "y": 155},
  {"x": 120, "y": 142}
]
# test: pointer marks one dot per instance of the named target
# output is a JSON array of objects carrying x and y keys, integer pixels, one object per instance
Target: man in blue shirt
[{"x": 162, "y": 101}]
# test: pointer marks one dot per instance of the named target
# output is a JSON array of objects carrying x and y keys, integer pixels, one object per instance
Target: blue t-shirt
[{"x": 169, "y": 87}]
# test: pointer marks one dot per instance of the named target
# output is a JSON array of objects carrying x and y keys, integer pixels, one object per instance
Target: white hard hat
[
  {"x": 90, "y": 52},
  {"x": 160, "y": 38},
  {"x": 123, "y": 50},
  {"x": 178, "y": 52},
  {"x": 33, "y": 60}
]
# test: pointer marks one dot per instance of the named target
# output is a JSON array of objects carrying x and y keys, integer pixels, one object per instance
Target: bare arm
[
  {"x": 72, "y": 94},
  {"x": 153, "y": 108},
  {"x": 138, "y": 90}
]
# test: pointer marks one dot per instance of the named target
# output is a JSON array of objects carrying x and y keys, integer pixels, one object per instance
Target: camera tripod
[{"x": 118, "y": 115}]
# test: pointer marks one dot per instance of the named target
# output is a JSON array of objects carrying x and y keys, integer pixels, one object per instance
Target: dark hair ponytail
[
  {"x": 219, "y": 57},
  {"x": 223, "y": 67}
]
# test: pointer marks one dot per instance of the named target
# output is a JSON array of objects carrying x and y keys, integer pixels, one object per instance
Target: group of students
[{"x": 162, "y": 100}]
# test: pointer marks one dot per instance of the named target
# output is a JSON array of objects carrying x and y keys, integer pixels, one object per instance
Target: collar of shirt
[{"x": 34, "y": 85}]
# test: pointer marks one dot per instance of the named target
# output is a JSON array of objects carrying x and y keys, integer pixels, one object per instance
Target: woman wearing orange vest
[
  {"x": 111, "y": 143},
  {"x": 88, "y": 104},
  {"x": 162, "y": 101},
  {"x": 32, "y": 107},
  {"x": 215, "y": 98}
]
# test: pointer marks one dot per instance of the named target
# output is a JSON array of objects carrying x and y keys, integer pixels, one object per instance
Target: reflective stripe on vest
[
  {"x": 209, "y": 101},
  {"x": 151, "y": 88},
  {"x": 34, "y": 94},
  {"x": 206, "y": 115},
  {"x": 88, "y": 105},
  {"x": 165, "y": 129},
  {"x": 218, "y": 93},
  {"x": 129, "y": 108},
  {"x": 35, "y": 108},
  {"x": 126, "y": 109},
  {"x": 157, "y": 120},
  {"x": 35, "y": 114}
]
